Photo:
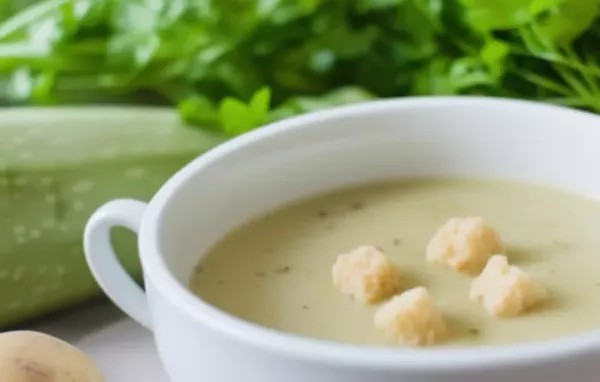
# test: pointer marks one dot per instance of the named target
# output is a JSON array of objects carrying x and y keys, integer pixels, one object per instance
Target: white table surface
[{"x": 122, "y": 349}]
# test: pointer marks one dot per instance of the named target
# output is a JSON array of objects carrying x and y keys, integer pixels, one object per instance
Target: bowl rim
[{"x": 430, "y": 360}]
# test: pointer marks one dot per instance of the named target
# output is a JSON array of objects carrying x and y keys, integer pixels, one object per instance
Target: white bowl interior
[{"x": 432, "y": 137}]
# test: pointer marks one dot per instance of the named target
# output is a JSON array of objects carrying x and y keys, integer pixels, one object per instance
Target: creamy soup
[{"x": 276, "y": 271}]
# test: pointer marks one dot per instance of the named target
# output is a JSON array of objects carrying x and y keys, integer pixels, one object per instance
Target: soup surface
[{"x": 276, "y": 270}]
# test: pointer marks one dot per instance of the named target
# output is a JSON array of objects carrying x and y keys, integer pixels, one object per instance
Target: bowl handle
[{"x": 103, "y": 262}]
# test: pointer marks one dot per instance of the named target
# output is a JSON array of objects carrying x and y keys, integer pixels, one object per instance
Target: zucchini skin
[{"x": 47, "y": 196}]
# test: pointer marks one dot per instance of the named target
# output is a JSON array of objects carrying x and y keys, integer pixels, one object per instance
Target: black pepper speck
[{"x": 358, "y": 206}]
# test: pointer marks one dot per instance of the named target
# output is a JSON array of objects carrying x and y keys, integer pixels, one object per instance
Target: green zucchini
[{"x": 56, "y": 167}]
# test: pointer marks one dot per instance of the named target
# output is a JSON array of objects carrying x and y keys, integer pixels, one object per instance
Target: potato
[{"x": 27, "y": 356}]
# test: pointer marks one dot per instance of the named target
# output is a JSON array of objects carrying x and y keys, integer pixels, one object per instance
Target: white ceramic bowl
[{"x": 418, "y": 137}]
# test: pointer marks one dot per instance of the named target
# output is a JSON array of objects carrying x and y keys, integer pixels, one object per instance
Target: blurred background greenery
[{"x": 232, "y": 65}]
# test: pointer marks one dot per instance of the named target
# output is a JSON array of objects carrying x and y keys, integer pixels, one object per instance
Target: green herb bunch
[{"x": 233, "y": 65}]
